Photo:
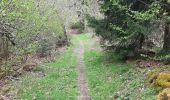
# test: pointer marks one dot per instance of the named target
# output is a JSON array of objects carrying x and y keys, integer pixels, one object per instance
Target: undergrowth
[{"x": 59, "y": 82}]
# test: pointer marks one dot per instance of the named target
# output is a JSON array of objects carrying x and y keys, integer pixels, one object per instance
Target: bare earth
[{"x": 82, "y": 83}]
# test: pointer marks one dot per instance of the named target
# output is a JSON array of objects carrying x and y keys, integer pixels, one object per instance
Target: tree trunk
[
  {"x": 141, "y": 39},
  {"x": 166, "y": 46},
  {"x": 66, "y": 37},
  {"x": 138, "y": 42}
]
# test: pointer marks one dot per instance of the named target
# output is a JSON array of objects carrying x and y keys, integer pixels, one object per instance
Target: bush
[
  {"x": 167, "y": 59},
  {"x": 29, "y": 27}
]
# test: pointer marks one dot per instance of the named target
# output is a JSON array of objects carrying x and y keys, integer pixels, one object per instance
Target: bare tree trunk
[
  {"x": 66, "y": 37},
  {"x": 166, "y": 46}
]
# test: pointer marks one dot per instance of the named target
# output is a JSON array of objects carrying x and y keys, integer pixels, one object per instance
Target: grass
[
  {"x": 60, "y": 82},
  {"x": 107, "y": 77},
  {"x": 110, "y": 79}
]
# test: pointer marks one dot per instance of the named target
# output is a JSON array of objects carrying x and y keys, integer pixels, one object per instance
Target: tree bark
[
  {"x": 166, "y": 46},
  {"x": 66, "y": 37}
]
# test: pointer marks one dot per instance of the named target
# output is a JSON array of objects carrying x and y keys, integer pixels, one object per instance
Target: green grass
[
  {"x": 60, "y": 82},
  {"x": 108, "y": 77}
]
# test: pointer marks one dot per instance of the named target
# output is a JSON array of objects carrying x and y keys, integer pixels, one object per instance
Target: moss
[
  {"x": 164, "y": 95},
  {"x": 163, "y": 79},
  {"x": 152, "y": 76},
  {"x": 159, "y": 79}
]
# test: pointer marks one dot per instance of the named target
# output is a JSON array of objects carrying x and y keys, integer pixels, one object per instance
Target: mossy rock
[
  {"x": 152, "y": 76},
  {"x": 163, "y": 80},
  {"x": 164, "y": 95}
]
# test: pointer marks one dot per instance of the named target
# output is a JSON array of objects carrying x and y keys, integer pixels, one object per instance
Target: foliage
[
  {"x": 167, "y": 56},
  {"x": 28, "y": 27},
  {"x": 126, "y": 23},
  {"x": 58, "y": 80}
]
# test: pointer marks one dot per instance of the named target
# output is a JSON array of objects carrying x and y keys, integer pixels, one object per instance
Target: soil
[{"x": 82, "y": 83}]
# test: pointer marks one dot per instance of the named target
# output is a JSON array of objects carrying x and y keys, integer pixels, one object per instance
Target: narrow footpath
[{"x": 82, "y": 83}]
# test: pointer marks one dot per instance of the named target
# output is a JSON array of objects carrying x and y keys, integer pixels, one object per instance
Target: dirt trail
[{"x": 82, "y": 83}]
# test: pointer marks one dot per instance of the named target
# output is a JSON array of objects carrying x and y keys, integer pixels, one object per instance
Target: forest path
[
  {"x": 64, "y": 79},
  {"x": 82, "y": 83}
]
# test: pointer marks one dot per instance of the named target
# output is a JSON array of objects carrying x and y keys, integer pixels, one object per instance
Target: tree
[
  {"x": 27, "y": 28},
  {"x": 126, "y": 23},
  {"x": 165, "y": 5}
]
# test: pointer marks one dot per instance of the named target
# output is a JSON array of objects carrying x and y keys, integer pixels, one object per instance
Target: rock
[
  {"x": 152, "y": 76},
  {"x": 164, "y": 95},
  {"x": 163, "y": 79}
]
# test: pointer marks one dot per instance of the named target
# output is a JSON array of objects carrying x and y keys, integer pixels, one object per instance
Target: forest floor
[{"x": 84, "y": 72}]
